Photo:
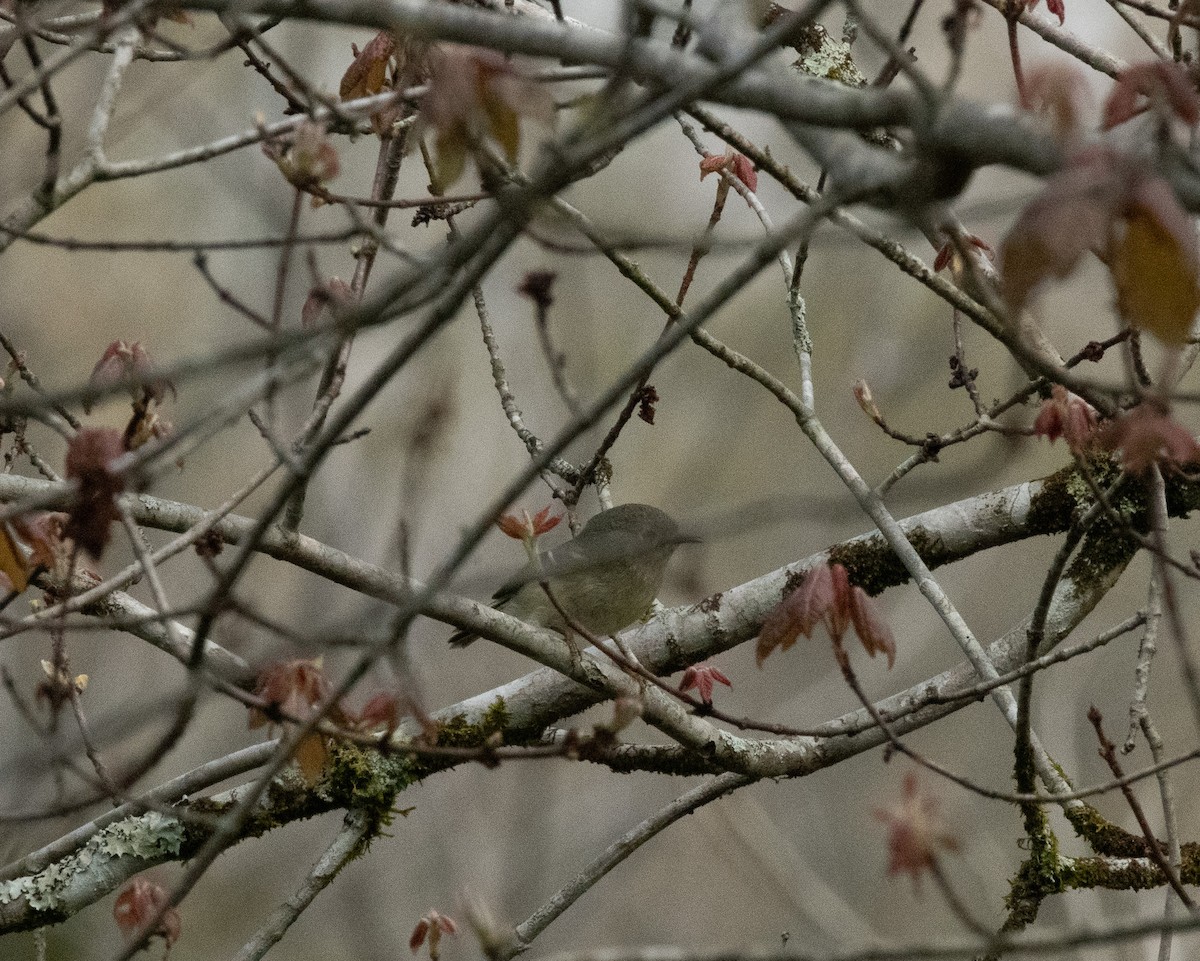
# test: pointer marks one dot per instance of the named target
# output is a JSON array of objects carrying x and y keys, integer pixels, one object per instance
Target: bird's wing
[{"x": 564, "y": 559}]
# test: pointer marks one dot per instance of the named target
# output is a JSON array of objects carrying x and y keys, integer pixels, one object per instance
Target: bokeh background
[{"x": 803, "y": 860}]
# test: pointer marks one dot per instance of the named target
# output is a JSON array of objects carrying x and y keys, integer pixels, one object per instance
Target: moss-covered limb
[
  {"x": 1104, "y": 837},
  {"x": 874, "y": 567},
  {"x": 354, "y": 779},
  {"x": 1063, "y": 496},
  {"x": 1027, "y": 890},
  {"x": 1039, "y": 876},
  {"x": 661, "y": 759},
  {"x": 1037, "y": 880},
  {"x": 1112, "y": 874}
]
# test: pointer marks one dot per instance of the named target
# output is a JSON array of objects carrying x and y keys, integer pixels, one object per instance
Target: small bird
[{"x": 606, "y": 578}]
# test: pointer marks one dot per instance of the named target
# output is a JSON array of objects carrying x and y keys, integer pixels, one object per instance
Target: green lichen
[
  {"x": 151, "y": 834},
  {"x": 828, "y": 59},
  {"x": 150, "y": 837}
]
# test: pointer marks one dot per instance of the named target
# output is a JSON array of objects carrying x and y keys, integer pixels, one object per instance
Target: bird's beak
[{"x": 687, "y": 537}]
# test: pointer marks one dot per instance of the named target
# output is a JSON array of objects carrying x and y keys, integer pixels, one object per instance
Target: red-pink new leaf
[
  {"x": 1145, "y": 85},
  {"x": 523, "y": 527},
  {"x": 382, "y": 710},
  {"x": 295, "y": 688},
  {"x": 947, "y": 252},
  {"x": 876, "y": 636},
  {"x": 334, "y": 292},
  {"x": 1108, "y": 203},
  {"x": 744, "y": 170},
  {"x": 123, "y": 360},
  {"x": 309, "y": 160},
  {"x": 1054, "y": 6},
  {"x": 475, "y": 92},
  {"x": 432, "y": 926},
  {"x": 89, "y": 456},
  {"x": 367, "y": 73},
  {"x": 838, "y": 614},
  {"x": 1072, "y": 216},
  {"x": 798, "y": 613},
  {"x": 137, "y": 904},
  {"x": 737, "y": 164},
  {"x": 1068, "y": 416},
  {"x": 915, "y": 833},
  {"x": 1148, "y": 435},
  {"x": 1059, "y": 90},
  {"x": 701, "y": 677}
]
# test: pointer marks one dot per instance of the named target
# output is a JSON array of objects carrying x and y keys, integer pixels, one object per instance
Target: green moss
[
  {"x": 1108, "y": 546},
  {"x": 874, "y": 566},
  {"x": 367, "y": 780},
  {"x": 1040, "y": 876},
  {"x": 457, "y": 731},
  {"x": 1183, "y": 496},
  {"x": 1091, "y": 873},
  {"x": 495, "y": 718},
  {"x": 1053, "y": 508},
  {"x": 1104, "y": 837}
]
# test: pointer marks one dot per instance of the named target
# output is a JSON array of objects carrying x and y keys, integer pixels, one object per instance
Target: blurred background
[{"x": 803, "y": 860}]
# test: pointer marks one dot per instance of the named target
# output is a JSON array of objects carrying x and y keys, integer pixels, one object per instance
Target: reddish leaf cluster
[
  {"x": 476, "y": 93},
  {"x": 431, "y": 928},
  {"x": 369, "y": 74},
  {"x": 295, "y": 689},
  {"x": 701, "y": 677},
  {"x": 1059, "y": 90},
  {"x": 1056, "y": 7},
  {"x": 335, "y": 293},
  {"x": 30, "y": 544},
  {"x": 947, "y": 253},
  {"x": 915, "y": 833},
  {"x": 1147, "y": 435},
  {"x": 90, "y": 455},
  {"x": 1112, "y": 204},
  {"x": 826, "y": 596},
  {"x": 526, "y": 528},
  {"x": 129, "y": 362},
  {"x": 646, "y": 401},
  {"x": 380, "y": 713},
  {"x": 138, "y": 904},
  {"x": 1108, "y": 203},
  {"x": 1068, "y": 416},
  {"x": 1158, "y": 84},
  {"x": 737, "y": 164},
  {"x": 309, "y": 160}
]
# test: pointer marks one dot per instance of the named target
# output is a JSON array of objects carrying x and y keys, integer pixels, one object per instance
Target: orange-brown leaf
[
  {"x": 367, "y": 73},
  {"x": 13, "y": 564},
  {"x": 1156, "y": 278},
  {"x": 503, "y": 124},
  {"x": 312, "y": 753}
]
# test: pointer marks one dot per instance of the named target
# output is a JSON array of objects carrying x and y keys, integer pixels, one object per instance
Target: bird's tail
[{"x": 462, "y": 638}]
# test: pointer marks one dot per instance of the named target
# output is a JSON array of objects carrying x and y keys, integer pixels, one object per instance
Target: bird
[{"x": 606, "y": 578}]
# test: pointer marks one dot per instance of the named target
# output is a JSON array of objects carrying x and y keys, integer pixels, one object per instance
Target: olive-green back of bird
[{"x": 606, "y": 578}]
